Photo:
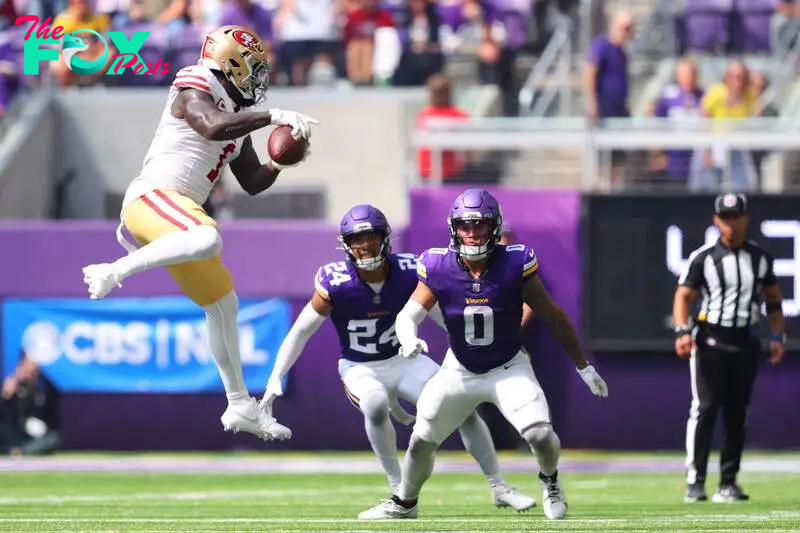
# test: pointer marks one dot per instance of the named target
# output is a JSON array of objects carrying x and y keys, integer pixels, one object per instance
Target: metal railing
[
  {"x": 537, "y": 95},
  {"x": 635, "y": 134}
]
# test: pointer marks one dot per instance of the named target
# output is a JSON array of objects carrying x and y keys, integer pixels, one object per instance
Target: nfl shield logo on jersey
[{"x": 476, "y": 287}]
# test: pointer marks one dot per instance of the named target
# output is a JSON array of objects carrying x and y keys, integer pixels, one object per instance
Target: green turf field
[{"x": 211, "y": 501}]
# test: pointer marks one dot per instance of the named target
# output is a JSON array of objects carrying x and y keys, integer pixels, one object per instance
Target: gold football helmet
[{"x": 241, "y": 56}]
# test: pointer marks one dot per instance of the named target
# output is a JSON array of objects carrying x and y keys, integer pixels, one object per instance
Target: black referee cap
[{"x": 730, "y": 204}]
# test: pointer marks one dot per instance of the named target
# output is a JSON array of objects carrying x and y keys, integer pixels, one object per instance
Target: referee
[{"x": 731, "y": 276}]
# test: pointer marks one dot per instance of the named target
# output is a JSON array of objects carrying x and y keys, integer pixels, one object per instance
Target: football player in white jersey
[{"x": 204, "y": 127}]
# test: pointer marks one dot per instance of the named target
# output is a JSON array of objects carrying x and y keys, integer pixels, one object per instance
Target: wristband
[
  {"x": 680, "y": 331},
  {"x": 778, "y": 337}
]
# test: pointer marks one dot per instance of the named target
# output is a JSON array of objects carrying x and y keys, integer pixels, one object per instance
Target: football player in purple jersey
[
  {"x": 480, "y": 287},
  {"x": 363, "y": 295}
]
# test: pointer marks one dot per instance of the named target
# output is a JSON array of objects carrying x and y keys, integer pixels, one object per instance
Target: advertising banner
[
  {"x": 635, "y": 248},
  {"x": 142, "y": 345}
]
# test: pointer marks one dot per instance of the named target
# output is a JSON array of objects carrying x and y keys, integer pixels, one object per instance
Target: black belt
[{"x": 727, "y": 335}]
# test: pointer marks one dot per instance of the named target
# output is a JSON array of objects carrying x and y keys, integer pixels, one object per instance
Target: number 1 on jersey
[{"x": 214, "y": 174}]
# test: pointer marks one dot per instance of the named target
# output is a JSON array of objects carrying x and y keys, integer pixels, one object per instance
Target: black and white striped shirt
[{"x": 730, "y": 283}]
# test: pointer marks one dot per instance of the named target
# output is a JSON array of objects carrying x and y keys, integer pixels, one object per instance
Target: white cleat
[
  {"x": 508, "y": 496},
  {"x": 100, "y": 279},
  {"x": 554, "y": 501},
  {"x": 251, "y": 419},
  {"x": 388, "y": 510}
]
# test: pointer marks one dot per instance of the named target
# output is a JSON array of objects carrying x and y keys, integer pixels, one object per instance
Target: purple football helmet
[
  {"x": 475, "y": 206},
  {"x": 364, "y": 219}
]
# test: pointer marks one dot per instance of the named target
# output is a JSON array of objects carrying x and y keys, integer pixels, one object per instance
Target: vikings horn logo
[
  {"x": 74, "y": 44},
  {"x": 247, "y": 40}
]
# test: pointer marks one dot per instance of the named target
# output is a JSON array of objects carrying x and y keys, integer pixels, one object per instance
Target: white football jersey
[{"x": 179, "y": 158}]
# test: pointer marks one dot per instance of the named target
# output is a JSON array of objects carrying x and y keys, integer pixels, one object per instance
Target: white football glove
[
  {"x": 274, "y": 389},
  {"x": 413, "y": 350},
  {"x": 594, "y": 381},
  {"x": 301, "y": 124}
]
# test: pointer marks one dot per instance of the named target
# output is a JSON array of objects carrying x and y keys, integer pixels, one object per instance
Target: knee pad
[
  {"x": 420, "y": 447},
  {"x": 206, "y": 240},
  {"x": 375, "y": 406},
  {"x": 537, "y": 433}
]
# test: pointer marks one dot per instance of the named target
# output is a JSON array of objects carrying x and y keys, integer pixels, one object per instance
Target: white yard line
[{"x": 772, "y": 516}]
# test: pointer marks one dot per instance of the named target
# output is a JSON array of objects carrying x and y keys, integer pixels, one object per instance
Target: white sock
[
  {"x": 223, "y": 340},
  {"x": 417, "y": 467},
  {"x": 383, "y": 440},
  {"x": 478, "y": 442},
  {"x": 547, "y": 452},
  {"x": 198, "y": 242},
  {"x": 381, "y": 434}
]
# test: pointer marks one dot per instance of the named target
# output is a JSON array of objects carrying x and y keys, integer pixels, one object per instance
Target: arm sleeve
[
  {"x": 307, "y": 323},
  {"x": 407, "y": 320},
  {"x": 436, "y": 315}
]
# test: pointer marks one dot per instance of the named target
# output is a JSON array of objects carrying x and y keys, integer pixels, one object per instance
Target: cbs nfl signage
[{"x": 135, "y": 345}]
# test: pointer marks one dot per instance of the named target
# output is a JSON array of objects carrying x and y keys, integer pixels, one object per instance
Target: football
[{"x": 285, "y": 149}]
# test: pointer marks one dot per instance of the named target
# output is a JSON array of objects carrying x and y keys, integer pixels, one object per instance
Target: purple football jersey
[
  {"x": 681, "y": 107},
  {"x": 364, "y": 319},
  {"x": 482, "y": 315}
]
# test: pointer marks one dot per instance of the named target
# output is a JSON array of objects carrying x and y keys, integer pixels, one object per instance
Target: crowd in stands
[
  {"x": 312, "y": 42},
  {"x": 724, "y": 28},
  {"x": 408, "y": 42}
]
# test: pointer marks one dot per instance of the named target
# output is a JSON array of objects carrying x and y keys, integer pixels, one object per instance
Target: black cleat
[
  {"x": 730, "y": 493},
  {"x": 695, "y": 493}
]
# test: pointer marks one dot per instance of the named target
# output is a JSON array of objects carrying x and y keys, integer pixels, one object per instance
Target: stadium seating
[
  {"x": 705, "y": 25},
  {"x": 751, "y": 26}
]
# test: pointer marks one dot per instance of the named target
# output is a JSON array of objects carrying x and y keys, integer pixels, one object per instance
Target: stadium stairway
[{"x": 561, "y": 168}]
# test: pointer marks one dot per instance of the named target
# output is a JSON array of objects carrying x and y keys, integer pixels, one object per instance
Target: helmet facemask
[
  {"x": 371, "y": 263},
  {"x": 474, "y": 252},
  {"x": 254, "y": 86}
]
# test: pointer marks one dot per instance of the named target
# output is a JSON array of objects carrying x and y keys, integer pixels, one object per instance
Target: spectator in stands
[
  {"x": 454, "y": 166},
  {"x": 606, "y": 76},
  {"x": 606, "y": 81},
  {"x": 9, "y": 77},
  {"x": 422, "y": 52},
  {"x": 123, "y": 14},
  {"x": 440, "y": 107},
  {"x": 8, "y": 14},
  {"x": 308, "y": 35},
  {"x": 359, "y": 38},
  {"x": 785, "y": 24},
  {"x": 732, "y": 99},
  {"x": 176, "y": 16},
  {"x": 80, "y": 14},
  {"x": 248, "y": 14},
  {"x": 503, "y": 34},
  {"x": 680, "y": 102},
  {"x": 29, "y": 418},
  {"x": 759, "y": 85}
]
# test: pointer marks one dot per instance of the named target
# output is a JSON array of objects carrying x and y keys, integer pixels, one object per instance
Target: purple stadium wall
[{"x": 649, "y": 393}]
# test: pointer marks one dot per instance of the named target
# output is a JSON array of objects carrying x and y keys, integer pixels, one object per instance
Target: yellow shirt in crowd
[
  {"x": 70, "y": 23},
  {"x": 716, "y": 105}
]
